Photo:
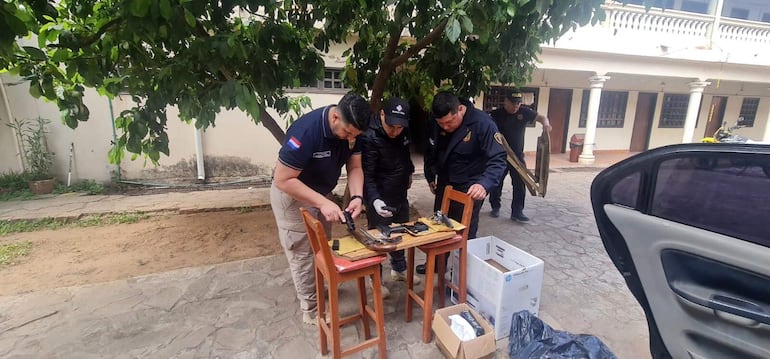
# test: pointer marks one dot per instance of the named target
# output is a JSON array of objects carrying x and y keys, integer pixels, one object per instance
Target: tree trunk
[{"x": 272, "y": 126}]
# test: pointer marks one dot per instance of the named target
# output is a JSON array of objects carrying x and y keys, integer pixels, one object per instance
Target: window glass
[
  {"x": 612, "y": 109},
  {"x": 748, "y": 111},
  {"x": 626, "y": 191},
  {"x": 723, "y": 193},
  {"x": 674, "y": 111}
]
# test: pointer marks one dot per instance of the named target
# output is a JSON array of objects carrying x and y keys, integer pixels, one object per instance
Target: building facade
[{"x": 637, "y": 80}]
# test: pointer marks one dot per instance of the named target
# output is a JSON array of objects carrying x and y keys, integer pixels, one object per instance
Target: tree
[{"x": 202, "y": 56}]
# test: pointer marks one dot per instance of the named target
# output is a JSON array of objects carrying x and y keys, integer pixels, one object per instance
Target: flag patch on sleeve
[{"x": 294, "y": 143}]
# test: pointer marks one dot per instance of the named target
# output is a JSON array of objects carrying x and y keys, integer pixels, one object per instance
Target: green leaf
[
  {"x": 467, "y": 24},
  {"x": 165, "y": 9},
  {"x": 453, "y": 30},
  {"x": 511, "y": 10},
  {"x": 139, "y": 8},
  {"x": 35, "y": 53},
  {"x": 189, "y": 18},
  {"x": 35, "y": 89}
]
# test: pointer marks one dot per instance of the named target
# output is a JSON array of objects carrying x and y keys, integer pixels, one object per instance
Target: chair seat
[
  {"x": 439, "y": 244},
  {"x": 344, "y": 265}
]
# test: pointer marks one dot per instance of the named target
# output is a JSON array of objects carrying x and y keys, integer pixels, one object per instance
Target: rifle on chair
[{"x": 369, "y": 241}]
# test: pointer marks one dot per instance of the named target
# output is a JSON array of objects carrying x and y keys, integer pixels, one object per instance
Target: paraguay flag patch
[{"x": 294, "y": 143}]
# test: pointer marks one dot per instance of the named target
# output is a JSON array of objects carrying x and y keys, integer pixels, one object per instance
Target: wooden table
[{"x": 407, "y": 241}]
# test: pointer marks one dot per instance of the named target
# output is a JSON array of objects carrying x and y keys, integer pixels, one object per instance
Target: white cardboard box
[{"x": 502, "y": 280}]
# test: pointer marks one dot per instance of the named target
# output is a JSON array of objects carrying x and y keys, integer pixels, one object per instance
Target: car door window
[{"x": 729, "y": 195}]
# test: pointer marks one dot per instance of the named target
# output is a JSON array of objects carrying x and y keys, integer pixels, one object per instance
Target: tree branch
[{"x": 423, "y": 43}]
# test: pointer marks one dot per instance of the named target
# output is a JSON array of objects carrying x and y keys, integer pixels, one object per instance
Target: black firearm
[{"x": 387, "y": 230}]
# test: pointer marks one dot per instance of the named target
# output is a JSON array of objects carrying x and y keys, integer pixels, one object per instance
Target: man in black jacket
[
  {"x": 464, "y": 151},
  {"x": 388, "y": 169}
]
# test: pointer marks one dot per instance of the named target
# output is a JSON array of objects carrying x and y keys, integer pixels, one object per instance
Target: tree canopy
[{"x": 202, "y": 56}]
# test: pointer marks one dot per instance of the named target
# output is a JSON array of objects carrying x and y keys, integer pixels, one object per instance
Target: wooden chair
[
  {"x": 436, "y": 254},
  {"x": 335, "y": 270}
]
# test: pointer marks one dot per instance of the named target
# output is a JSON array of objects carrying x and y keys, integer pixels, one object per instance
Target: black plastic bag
[{"x": 532, "y": 338}]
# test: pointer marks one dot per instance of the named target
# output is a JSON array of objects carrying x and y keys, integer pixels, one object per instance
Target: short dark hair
[
  {"x": 444, "y": 103},
  {"x": 355, "y": 111}
]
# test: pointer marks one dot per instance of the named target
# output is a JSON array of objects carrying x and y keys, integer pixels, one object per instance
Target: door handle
[
  {"x": 725, "y": 303},
  {"x": 739, "y": 307}
]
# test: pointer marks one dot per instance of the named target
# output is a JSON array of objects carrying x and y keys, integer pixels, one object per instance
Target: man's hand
[
  {"x": 354, "y": 207},
  {"x": 379, "y": 206},
  {"x": 432, "y": 186},
  {"x": 477, "y": 192},
  {"x": 331, "y": 212},
  {"x": 547, "y": 126}
]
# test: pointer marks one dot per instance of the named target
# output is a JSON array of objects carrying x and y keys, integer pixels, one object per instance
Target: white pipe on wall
[
  {"x": 10, "y": 118},
  {"x": 199, "y": 153}
]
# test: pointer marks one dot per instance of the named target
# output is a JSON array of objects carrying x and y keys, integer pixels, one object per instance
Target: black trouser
[
  {"x": 456, "y": 210},
  {"x": 519, "y": 190},
  {"x": 397, "y": 258}
]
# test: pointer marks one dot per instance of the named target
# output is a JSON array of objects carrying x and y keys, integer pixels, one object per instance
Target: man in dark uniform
[
  {"x": 512, "y": 120},
  {"x": 464, "y": 151},
  {"x": 388, "y": 172},
  {"x": 317, "y": 145}
]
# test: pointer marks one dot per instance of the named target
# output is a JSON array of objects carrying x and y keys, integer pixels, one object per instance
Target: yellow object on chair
[{"x": 348, "y": 244}]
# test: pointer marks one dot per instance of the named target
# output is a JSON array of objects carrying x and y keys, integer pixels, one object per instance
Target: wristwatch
[{"x": 357, "y": 196}]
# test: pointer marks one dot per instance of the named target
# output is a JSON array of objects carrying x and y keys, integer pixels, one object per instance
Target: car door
[{"x": 688, "y": 226}]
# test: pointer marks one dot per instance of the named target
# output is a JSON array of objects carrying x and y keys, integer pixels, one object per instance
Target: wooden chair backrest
[
  {"x": 317, "y": 236},
  {"x": 452, "y": 195}
]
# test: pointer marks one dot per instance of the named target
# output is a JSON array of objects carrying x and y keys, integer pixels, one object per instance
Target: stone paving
[{"x": 247, "y": 309}]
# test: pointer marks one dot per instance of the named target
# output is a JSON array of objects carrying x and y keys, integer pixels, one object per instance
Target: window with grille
[
  {"x": 332, "y": 81},
  {"x": 674, "y": 111},
  {"x": 495, "y": 97},
  {"x": 748, "y": 111},
  {"x": 612, "y": 109}
]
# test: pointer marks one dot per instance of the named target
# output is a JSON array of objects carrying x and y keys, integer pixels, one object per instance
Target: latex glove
[{"x": 379, "y": 208}]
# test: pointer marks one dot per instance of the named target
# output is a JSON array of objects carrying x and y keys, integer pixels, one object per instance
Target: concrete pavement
[{"x": 247, "y": 309}]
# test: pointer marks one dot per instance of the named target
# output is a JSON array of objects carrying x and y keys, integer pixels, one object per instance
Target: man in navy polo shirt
[
  {"x": 308, "y": 168},
  {"x": 512, "y": 120}
]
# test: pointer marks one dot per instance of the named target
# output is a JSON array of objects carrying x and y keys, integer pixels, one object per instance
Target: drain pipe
[
  {"x": 10, "y": 119},
  {"x": 114, "y": 139},
  {"x": 199, "y": 154}
]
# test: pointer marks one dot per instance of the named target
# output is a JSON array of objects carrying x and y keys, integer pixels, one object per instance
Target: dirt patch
[{"x": 77, "y": 256}]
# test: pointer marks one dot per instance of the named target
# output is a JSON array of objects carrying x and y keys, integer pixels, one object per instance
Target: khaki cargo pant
[{"x": 296, "y": 245}]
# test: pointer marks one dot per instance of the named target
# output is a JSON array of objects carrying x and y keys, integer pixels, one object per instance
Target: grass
[
  {"x": 8, "y": 227},
  {"x": 10, "y": 252},
  {"x": 13, "y": 187}
]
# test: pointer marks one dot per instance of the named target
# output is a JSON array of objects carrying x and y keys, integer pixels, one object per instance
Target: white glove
[{"x": 379, "y": 207}]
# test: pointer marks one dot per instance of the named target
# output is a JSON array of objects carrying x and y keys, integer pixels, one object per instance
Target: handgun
[
  {"x": 369, "y": 241},
  {"x": 440, "y": 217},
  {"x": 387, "y": 230}
]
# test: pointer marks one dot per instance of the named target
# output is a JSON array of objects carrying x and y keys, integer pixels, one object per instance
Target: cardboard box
[
  {"x": 451, "y": 345},
  {"x": 502, "y": 280}
]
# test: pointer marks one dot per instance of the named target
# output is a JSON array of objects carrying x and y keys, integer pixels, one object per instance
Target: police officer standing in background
[
  {"x": 512, "y": 120},
  {"x": 388, "y": 169},
  {"x": 464, "y": 151}
]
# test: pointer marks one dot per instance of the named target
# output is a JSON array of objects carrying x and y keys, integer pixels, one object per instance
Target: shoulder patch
[
  {"x": 293, "y": 143},
  {"x": 499, "y": 137}
]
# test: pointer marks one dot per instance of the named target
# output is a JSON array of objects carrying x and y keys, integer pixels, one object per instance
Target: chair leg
[
  {"x": 362, "y": 307},
  {"x": 441, "y": 272},
  {"x": 427, "y": 309},
  {"x": 409, "y": 282},
  {"x": 379, "y": 309},
  {"x": 334, "y": 309},
  {"x": 463, "y": 273},
  {"x": 321, "y": 311}
]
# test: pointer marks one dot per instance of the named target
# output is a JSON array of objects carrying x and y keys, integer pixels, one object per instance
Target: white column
[
  {"x": 587, "y": 156},
  {"x": 696, "y": 94}
]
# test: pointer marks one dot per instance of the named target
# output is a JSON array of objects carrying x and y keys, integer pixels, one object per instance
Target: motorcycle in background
[{"x": 726, "y": 134}]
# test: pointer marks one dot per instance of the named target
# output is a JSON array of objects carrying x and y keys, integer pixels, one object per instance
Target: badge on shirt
[
  {"x": 322, "y": 154},
  {"x": 467, "y": 137},
  {"x": 293, "y": 143},
  {"x": 520, "y": 117}
]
